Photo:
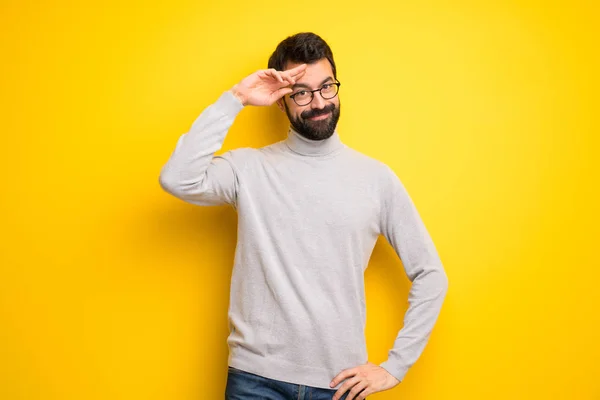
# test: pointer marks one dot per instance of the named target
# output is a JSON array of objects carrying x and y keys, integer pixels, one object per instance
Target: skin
[
  {"x": 265, "y": 87},
  {"x": 316, "y": 120}
]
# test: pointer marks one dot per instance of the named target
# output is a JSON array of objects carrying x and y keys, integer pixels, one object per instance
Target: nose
[{"x": 318, "y": 102}]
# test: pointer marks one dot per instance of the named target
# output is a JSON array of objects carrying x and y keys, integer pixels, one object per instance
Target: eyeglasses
[{"x": 304, "y": 97}]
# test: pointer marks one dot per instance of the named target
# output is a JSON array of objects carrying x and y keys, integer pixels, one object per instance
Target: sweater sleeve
[
  {"x": 193, "y": 173},
  {"x": 403, "y": 228}
]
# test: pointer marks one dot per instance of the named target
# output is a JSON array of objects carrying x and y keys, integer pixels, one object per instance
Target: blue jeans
[{"x": 243, "y": 385}]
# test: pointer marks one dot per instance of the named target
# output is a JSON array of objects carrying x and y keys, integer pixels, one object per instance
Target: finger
[
  {"x": 281, "y": 92},
  {"x": 268, "y": 75},
  {"x": 289, "y": 79},
  {"x": 294, "y": 77},
  {"x": 296, "y": 70},
  {"x": 342, "y": 375},
  {"x": 296, "y": 74},
  {"x": 356, "y": 391},
  {"x": 274, "y": 74},
  {"x": 345, "y": 387},
  {"x": 367, "y": 392}
]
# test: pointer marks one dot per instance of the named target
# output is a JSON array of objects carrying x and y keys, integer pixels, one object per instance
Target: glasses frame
[{"x": 312, "y": 93}]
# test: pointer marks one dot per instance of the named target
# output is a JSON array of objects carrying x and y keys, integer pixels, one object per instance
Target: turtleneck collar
[{"x": 301, "y": 145}]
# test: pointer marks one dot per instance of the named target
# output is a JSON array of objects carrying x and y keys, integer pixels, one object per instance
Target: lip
[{"x": 320, "y": 117}]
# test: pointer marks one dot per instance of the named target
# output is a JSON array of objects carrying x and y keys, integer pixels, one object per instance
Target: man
[{"x": 310, "y": 210}]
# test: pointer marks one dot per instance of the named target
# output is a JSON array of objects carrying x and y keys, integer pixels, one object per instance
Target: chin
[{"x": 318, "y": 135}]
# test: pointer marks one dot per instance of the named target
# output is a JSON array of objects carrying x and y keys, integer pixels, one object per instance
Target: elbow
[
  {"x": 174, "y": 185},
  {"x": 167, "y": 182},
  {"x": 441, "y": 281},
  {"x": 444, "y": 282},
  {"x": 437, "y": 278}
]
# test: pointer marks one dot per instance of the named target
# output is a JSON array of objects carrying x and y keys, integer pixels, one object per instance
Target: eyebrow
[{"x": 297, "y": 85}]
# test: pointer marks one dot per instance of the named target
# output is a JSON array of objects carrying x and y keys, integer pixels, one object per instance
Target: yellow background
[{"x": 488, "y": 112}]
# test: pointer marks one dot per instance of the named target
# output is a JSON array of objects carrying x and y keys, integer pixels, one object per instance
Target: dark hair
[{"x": 304, "y": 47}]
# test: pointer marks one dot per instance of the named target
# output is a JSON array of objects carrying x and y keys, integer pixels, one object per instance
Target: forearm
[
  {"x": 405, "y": 230},
  {"x": 184, "y": 174},
  {"x": 425, "y": 298}
]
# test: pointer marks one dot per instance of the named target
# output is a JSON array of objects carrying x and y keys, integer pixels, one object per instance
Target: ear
[{"x": 280, "y": 104}]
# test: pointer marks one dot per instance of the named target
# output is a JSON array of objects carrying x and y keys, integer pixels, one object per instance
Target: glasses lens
[
  {"x": 329, "y": 90},
  {"x": 303, "y": 97}
]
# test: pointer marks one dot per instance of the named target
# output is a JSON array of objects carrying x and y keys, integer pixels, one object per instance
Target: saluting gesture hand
[{"x": 264, "y": 87}]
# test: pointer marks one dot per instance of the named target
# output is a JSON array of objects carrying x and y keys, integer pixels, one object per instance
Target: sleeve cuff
[
  {"x": 228, "y": 104},
  {"x": 394, "y": 370}
]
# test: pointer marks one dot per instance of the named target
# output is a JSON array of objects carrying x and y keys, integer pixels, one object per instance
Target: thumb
[{"x": 282, "y": 92}]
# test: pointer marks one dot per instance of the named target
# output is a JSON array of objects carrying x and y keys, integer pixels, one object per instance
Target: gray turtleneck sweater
[{"x": 309, "y": 215}]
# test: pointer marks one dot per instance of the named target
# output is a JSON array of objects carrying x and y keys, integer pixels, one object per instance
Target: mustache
[{"x": 315, "y": 113}]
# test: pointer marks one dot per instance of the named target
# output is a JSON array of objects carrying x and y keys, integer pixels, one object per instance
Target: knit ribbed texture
[{"x": 309, "y": 215}]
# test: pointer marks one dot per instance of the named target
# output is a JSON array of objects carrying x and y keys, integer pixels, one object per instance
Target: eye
[
  {"x": 326, "y": 86},
  {"x": 301, "y": 93}
]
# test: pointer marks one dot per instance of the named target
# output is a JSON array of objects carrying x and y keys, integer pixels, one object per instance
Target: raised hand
[{"x": 264, "y": 87}]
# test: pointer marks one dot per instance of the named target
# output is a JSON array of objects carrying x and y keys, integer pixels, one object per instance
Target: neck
[{"x": 307, "y": 147}]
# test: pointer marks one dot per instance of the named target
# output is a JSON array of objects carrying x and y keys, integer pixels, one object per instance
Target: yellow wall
[{"x": 488, "y": 111}]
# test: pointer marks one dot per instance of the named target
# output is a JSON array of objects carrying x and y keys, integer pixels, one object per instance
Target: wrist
[{"x": 238, "y": 95}]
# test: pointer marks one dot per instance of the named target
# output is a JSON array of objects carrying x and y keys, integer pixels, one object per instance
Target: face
[{"x": 318, "y": 119}]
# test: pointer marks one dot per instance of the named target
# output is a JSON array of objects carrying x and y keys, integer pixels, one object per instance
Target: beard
[{"x": 315, "y": 130}]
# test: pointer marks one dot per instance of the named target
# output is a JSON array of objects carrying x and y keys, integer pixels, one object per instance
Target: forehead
[{"x": 316, "y": 72}]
